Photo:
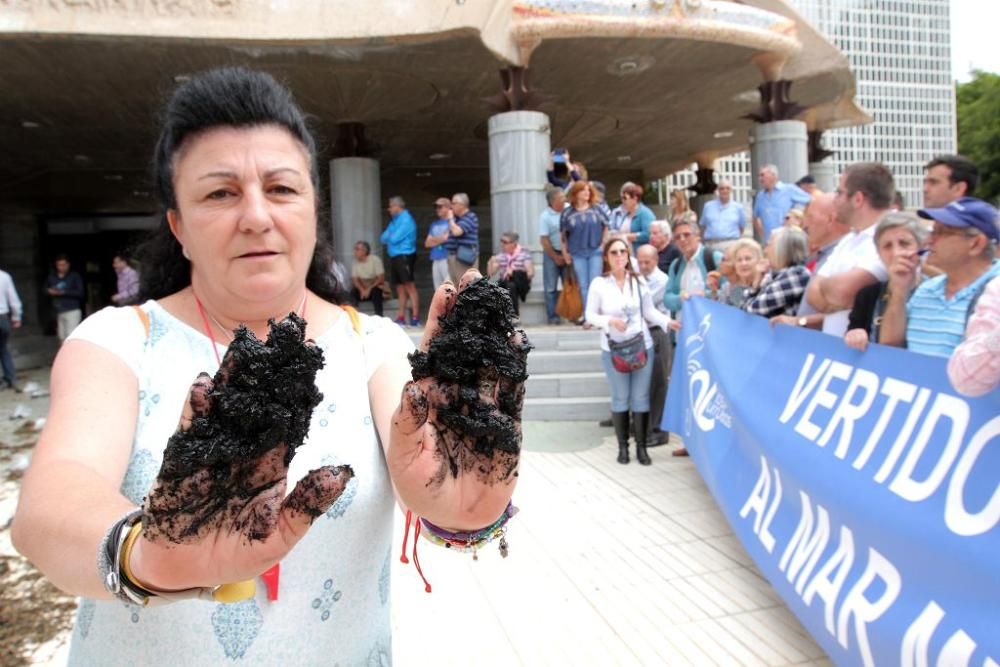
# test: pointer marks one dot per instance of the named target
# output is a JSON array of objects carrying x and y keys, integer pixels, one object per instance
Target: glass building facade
[{"x": 900, "y": 53}]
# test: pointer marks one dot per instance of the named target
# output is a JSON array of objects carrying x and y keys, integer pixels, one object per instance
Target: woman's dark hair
[
  {"x": 606, "y": 268},
  {"x": 225, "y": 97}
]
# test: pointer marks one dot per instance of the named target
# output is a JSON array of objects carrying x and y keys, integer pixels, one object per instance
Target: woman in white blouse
[{"x": 619, "y": 304}]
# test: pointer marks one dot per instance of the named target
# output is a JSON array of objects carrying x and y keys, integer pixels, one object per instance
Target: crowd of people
[
  {"x": 65, "y": 289},
  {"x": 850, "y": 263}
]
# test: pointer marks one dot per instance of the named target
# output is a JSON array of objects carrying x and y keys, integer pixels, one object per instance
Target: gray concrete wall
[{"x": 783, "y": 143}]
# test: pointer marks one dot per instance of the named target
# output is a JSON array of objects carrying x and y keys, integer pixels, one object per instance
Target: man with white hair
[
  {"x": 663, "y": 349},
  {"x": 660, "y": 237},
  {"x": 722, "y": 219},
  {"x": 773, "y": 201},
  {"x": 463, "y": 242}
]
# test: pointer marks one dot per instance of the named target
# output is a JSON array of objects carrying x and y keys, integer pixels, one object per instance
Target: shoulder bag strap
[{"x": 144, "y": 318}]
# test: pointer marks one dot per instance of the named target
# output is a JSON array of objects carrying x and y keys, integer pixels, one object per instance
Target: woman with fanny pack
[{"x": 619, "y": 304}]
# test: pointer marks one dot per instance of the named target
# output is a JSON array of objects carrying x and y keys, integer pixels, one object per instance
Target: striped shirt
[
  {"x": 974, "y": 368},
  {"x": 935, "y": 324}
]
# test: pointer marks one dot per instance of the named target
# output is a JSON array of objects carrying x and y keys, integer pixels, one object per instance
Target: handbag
[
  {"x": 630, "y": 354},
  {"x": 570, "y": 303},
  {"x": 467, "y": 254}
]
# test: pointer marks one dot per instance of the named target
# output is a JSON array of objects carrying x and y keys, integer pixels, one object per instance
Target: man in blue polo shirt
[
  {"x": 773, "y": 201},
  {"x": 400, "y": 240},
  {"x": 722, "y": 219},
  {"x": 963, "y": 244}
]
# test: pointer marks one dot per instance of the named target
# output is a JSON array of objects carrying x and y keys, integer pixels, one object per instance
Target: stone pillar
[
  {"x": 782, "y": 143},
  {"x": 519, "y": 151},
  {"x": 355, "y": 205},
  {"x": 825, "y": 174}
]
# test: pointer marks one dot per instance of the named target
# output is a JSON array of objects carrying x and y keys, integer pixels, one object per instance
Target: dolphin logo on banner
[{"x": 706, "y": 403}]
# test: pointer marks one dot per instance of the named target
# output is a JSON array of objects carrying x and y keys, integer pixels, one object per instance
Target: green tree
[{"x": 979, "y": 129}]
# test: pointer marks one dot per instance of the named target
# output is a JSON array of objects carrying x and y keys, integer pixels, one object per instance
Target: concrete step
[
  {"x": 549, "y": 338},
  {"x": 566, "y": 409},
  {"x": 567, "y": 385},
  {"x": 572, "y": 361},
  {"x": 563, "y": 337}
]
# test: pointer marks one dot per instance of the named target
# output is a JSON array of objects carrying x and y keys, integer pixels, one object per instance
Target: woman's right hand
[
  {"x": 567, "y": 258},
  {"x": 618, "y": 324},
  {"x": 228, "y": 520},
  {"x": 857, "y": 338}
]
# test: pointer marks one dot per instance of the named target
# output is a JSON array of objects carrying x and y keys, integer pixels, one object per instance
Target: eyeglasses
[
  {"x": 618, "y": 251},
  {"x": 505, "y": 242},
  {"x": 947, "y": 231},
  {"x": 684, "y": 235}
]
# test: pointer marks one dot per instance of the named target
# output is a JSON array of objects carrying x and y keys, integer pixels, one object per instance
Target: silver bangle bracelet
[{"x": 108, "y": 551}]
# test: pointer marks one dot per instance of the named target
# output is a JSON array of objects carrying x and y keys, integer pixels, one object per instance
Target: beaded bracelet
[
  {"x": 472, "y": 541},
  {"x": 460, "y": 541}
]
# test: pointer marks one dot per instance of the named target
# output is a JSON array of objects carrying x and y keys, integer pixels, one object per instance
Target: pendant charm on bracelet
[{"x": 472, "y": 541}]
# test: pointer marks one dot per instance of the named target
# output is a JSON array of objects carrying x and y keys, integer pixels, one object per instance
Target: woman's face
[
  {"x": 745, "y": 262},
  {"x": 630, "y": 203},
  {"x": 246, "y": 210},
  {"x": 583, "y": 197},
  {"x": 618, "y": 257},
  {"x": 896, "y": 241}
]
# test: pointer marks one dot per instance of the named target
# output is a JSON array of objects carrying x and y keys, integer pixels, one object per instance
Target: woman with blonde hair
[
  {"x": 680, "y": 210},
  {"x": 740, "y": 268}
]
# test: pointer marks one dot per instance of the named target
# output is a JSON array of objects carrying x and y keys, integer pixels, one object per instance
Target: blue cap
[{"x": 966, "y": 212}]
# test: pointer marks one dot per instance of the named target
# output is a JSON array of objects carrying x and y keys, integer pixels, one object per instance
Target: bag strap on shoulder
[
  {"x": 355, "y": 318},
  {"x": 144, "y": 318}
]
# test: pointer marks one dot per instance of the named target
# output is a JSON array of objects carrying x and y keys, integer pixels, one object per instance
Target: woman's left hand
[
  {"x": 618, "y": 324},
  {"x": 457, "y": 482}
]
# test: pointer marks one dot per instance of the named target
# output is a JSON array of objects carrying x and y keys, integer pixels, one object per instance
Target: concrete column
[
  {"x": 783, "y": 143},
  {"x": 355, "y": 205},
  {"x": 825, "y": 174},
  {"x": 519, "y": 152}
]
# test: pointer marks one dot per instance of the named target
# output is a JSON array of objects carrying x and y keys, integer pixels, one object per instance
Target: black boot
[
  {"x": 641, "y": 431},
  {"x": 620, "y": 420}
]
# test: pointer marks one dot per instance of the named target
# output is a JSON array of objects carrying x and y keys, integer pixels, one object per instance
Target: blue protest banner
[{"x": 864, "y": 487}]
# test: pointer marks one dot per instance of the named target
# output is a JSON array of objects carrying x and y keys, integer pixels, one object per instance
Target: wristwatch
[{"x": 802, "y": 321}]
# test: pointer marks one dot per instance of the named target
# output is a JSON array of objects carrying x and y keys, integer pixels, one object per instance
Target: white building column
[
  {"x": 783, "y": 143},
  {"x": 355, "y": 205},
  {"x": 519, "y": 152},
  {"x": 825, "y": 174}
]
